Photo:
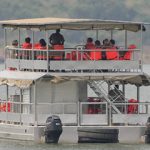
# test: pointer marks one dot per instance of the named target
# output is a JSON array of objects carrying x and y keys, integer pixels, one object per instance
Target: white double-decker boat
[{"x": 39, "y": 88}]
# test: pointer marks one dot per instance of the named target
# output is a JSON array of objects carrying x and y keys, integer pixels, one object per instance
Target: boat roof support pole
[
  {"x": 124, "y": 94},
  {"x": 141, "y": 48},
  {"x": 109, "y": 106},
  {"x": 47, "y": 41},
  {"x": 7, "y": 93},
  {"x": 97, "y": 34},
  {"x": 20, "y": 105},
  {"x": 30, "y": 99},
  {"x": 111, "y": 34},
  {"x": 35, "y": 105},
  {"x": 108, "y": 86},
  {"x": 32, "y": 39},
  {"x": 18, "y": 37},
  {"x": 126, "y": 39},
  {"x": 138, "y": 93},
  {"x": 123, "y": 89},
  {"x": 78, "y": 114},
  {"x": 33, "y": 45},
  {"x": 138, "y": 96},
  {"x": 5, "y": 44}
]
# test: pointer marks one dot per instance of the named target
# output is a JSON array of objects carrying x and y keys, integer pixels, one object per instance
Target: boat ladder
[{"x": 95, "y": 86}]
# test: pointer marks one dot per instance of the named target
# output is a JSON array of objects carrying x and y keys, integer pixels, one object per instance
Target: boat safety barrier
[
  {"x": 23, "y": 112},
  {"x": 102, "y": 113},
  {"x": 69, "y": 60}
]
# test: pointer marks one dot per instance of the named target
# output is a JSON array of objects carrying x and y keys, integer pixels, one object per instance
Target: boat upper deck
[
  {"x": 25, "y": 60},
  {"x": 77, "y": 59}
]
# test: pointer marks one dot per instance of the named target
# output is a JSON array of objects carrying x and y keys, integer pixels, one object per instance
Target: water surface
[{"x": 22, "y": 145}]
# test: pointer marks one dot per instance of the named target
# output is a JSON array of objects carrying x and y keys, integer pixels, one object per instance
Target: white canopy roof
[
  {"x": 25, "y": 79},
  {"x": 73, "y": 24},
  {"x": 18, "y": 78}
]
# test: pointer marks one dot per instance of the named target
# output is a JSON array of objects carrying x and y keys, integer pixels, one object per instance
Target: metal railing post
[
  {"x": 35, "y": 106},
  {"x": 20, "y": 104},
  {"x": 110, "y": 114},
  {"x": 7, "y": 93},
  {"x": 78, "y": 113},
  {"x": 5, "y": 44},
  {"x": 32, "y": 55},
  {"x": 141, "y": 61},
  {"x": 46, "y": 33}
]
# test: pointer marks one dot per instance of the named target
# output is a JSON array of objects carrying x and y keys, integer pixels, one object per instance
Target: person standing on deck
[
  {"x": 56, "y": 39},
  {"x": 57, "y": 42}
]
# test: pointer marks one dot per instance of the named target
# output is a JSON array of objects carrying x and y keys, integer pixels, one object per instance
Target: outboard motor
[
  {"x": 147, "y": 131},
  {"x": 53, "y": 129}
]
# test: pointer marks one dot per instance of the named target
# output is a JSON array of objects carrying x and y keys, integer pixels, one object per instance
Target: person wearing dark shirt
[{"x": 56, "y": 38}]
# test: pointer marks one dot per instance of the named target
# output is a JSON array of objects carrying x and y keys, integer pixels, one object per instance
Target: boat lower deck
[
  {"x": 126, "y": 134},
  {"x": 70, "y": 134}
]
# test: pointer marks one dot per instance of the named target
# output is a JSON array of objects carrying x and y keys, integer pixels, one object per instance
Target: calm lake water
[
  {"x": 15, "y": 145},
  {"x": 23, "y": 145}
]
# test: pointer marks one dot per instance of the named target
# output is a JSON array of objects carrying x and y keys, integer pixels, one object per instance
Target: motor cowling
[
  {"x": 53, "y": 129},
  {"x": 147, "y": 131}
]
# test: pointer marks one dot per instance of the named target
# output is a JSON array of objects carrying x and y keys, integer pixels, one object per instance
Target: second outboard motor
[
  {"x": 53, "y": 129},
  {"x": 147, "y": 131}
]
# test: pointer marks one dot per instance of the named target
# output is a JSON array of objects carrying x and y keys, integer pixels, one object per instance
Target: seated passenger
[
  {"x": 14, "y": 43},
  {"x": 89, "y": 43},
  {"x": 96, "y": 53},
  {"x": 41, "y": 46},
  {"x": 127, "y": 55},
  {"x": 104, "y": 46},
  {"x": 97, "y": 44},
  {"x": 57, "y": 40},
  {"x": 36, "y": 45},
  {"x": 14, "y": 53},
  {"x": 112, "y": 44},
  {"x": 27, "y": 44},
  {"x": 88, "y": 46},
  {"x": 111, "y": 53}
]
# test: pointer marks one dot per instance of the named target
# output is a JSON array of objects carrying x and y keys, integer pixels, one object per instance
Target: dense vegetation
[{"x": 135, "y": 10}]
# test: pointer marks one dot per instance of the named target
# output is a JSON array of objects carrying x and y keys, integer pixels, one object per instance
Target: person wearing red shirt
[{"x": 27, "y": 44}]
